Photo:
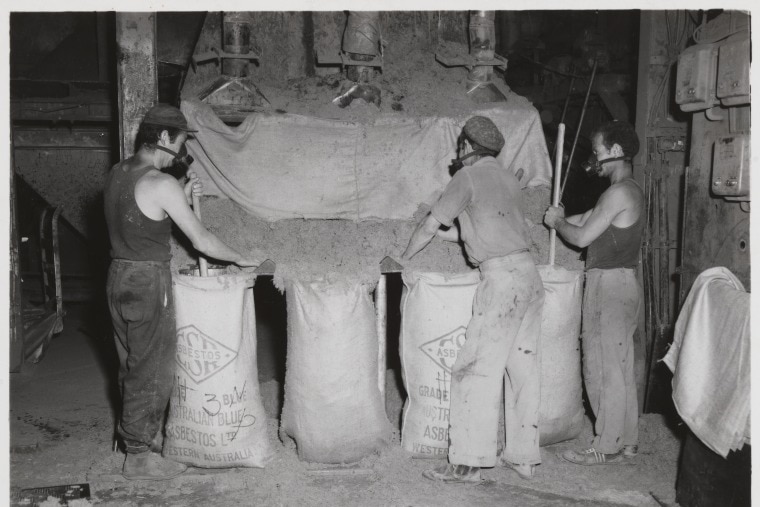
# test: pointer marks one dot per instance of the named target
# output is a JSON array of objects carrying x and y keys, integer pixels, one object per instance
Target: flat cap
[
  {"x": 165, "y": 115},
  {"x": 483, "y": 131}
]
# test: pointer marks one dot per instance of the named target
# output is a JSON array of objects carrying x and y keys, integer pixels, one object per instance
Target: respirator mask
[
  {"x": 457, "y": 163},
  {"x": 181, "y": 162},
  {"x": 593, "y": 167}
]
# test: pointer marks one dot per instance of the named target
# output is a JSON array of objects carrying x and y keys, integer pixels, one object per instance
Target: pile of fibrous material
[{"x": 314, "y": 249}]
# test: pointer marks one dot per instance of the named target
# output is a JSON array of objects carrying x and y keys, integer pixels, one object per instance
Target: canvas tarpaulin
[{"x": 279, "y": 166}]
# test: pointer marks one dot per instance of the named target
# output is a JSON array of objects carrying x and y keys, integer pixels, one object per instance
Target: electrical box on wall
[
  {"x": 730, "y": 178},
  {"x": 733, "y": 71},
  {"x": 696, "y": 77}
]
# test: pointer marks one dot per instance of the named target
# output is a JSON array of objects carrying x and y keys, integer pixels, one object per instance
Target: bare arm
[
  {"x": 421, "y": 236},
  {"x": 450, "y": 234},
  {"x": 174, "y": 201},
  {"x": 579, "y": 220},
  {"x": 596, "y": 221}
]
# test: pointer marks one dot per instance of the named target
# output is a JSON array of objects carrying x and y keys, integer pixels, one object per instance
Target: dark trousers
[{"x": 142, "y": 310}]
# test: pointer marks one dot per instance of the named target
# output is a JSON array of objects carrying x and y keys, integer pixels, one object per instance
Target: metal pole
[
  {"x": 557, "y": 178},
  {"x": 580, "y": 123},
  {"x": 381, "y": 312},
  {"x": 202, "y": 262}
]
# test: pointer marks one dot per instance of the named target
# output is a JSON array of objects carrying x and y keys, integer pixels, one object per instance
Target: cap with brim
[
  {"x": 483, "y": 131},
  {"x": 165, "y": 115}
]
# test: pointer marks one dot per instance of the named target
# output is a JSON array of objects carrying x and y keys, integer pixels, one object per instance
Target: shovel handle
[{"x": 202, "y": 262}]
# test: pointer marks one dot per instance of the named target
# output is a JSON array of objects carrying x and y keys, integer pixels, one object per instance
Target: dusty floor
[{"x": 63, "y": 417}]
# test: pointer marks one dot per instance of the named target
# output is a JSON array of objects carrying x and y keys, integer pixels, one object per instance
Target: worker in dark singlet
[
  {"x": 612, "y": 300},
  {"x": 141, "y": 203}
]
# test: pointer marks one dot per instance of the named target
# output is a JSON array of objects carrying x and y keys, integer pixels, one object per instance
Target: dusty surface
[
  {"x": 308, "y": 248},
  {"x": 62, "y": 420}
]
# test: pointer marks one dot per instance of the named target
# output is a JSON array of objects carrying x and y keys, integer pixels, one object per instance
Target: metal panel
[
  {"x": 731, "y": 166},
  {"x": 695, "y": 84},
  {"x": 733, "y": 72}
]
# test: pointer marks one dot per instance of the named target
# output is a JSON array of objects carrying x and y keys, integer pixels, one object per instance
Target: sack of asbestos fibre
[
  {"x": 216, "y": 417},
  {"x": 435, "y": 311},
  {"x": 332, "y": 408}
]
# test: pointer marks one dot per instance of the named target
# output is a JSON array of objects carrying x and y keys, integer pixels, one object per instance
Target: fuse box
[
  {"x": 730, "y": 171},
  {"x": 733, "y": 71},
  {"x": 696, "y": 77}
]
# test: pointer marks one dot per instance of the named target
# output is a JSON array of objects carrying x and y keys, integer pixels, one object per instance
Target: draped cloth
[
  {"x": 710, "y": 361},
  {"x": 279, "y": 166}
]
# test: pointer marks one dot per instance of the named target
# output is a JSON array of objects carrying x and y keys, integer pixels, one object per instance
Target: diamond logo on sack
[
  {"x": 444, "y": 349},
  {"x": 199, "y": 355}
]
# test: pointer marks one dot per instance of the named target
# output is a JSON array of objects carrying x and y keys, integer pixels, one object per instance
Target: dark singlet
[
  {"x": 133, "y": 235},
  {"x": 617, "y": 247}
]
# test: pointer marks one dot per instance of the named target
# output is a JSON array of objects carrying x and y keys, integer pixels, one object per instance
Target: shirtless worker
[
  {"x": 506, "y": 321},
  {"x": 612, "y": 232},
  {"x": 141, "y": 203}
]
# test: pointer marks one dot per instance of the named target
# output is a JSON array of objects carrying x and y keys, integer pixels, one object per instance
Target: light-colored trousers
[
  {"x": 503, "y": 333},
  {"x": 611, "y": 305}
]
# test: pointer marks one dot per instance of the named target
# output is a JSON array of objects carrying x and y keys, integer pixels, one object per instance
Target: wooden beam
[{"x": 137, "y": 73}]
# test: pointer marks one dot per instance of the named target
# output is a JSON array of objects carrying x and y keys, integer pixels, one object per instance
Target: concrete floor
[{"x": 62, "y": 415}]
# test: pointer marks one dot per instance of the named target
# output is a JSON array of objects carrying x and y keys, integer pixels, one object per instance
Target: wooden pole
[
  {"x": 137, "y": 73},
  {"x": 381, "y": 312},
  {"x": 202, "y": 262},
  {"x": 557, "y": 184}
]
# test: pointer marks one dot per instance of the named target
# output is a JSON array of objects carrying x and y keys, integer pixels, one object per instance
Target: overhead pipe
[
  {"x": 482, "y": 58},
  {"x": 236, "y": 32},
  {"x": 177, "y": 33},
  {"x": 361, "y": 42},
  {"x": 482, "y": 47}
]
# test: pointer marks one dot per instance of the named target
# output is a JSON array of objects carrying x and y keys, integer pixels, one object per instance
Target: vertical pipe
[
  {"x": 381, "y": 312},
  {"x": 361, "y": 41},
  {"x": 16, "y": 352},
  {"x": 137, "y": 73},
  {"x": 237, "y": 40},
  {"x": 664, "y": 237},
  {"x": 202, "y": 262},
  {"x": 482, "y": 45},
  {"x": 57, "y": 262},
  {"x": 557, "y": 179}
]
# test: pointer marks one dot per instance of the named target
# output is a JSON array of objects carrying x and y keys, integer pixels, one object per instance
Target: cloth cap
[
  {"x": 483, "y": 131},
  {"x": 165, "y": 115}
]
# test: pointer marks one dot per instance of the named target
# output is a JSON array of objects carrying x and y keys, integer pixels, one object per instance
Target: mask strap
[
  {"x": 601, "y": 162},
  {"x": 167, "y": 150},
  {"x": 481, "y": 151}
]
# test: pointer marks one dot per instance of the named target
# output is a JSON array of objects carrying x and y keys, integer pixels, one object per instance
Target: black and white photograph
[{"x": 377, "y": 254}]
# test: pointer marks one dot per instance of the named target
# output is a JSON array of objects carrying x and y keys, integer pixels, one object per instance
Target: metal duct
[
  {"x": 361, "y": 41},
  {"x": 177, "y": 34},
  {"x": 482, "y": 45},
  {"x": 236, "y": 30}
]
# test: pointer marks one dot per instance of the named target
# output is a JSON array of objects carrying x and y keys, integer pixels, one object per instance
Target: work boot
[
  {"x": 149, "y": 466},
  {"x": 524, "y": 470},
  {"x": 454, "y": 473},
  {"x": 591, "y": 456}
]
